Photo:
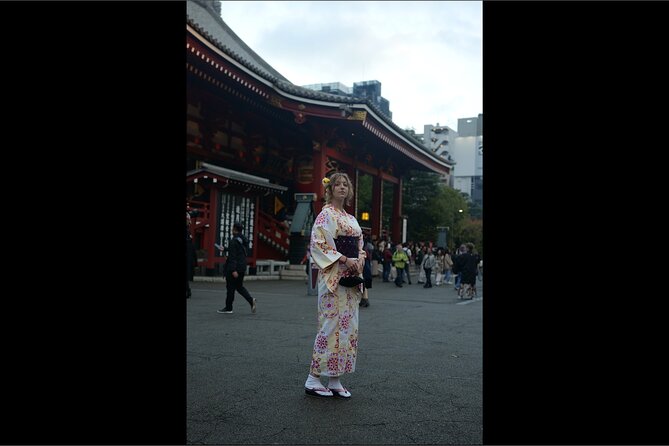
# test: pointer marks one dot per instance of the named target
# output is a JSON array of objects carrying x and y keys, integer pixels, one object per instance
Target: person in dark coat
[
  {"x": 235, "y": 268},
  {"x": 468, "y": 266},
  {"x": 191, "y": 257},
  {"x": 387, "y": 262},
  {"x": 457, "y": 266}
]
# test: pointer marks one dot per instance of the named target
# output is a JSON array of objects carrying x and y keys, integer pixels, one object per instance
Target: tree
[
  {"x": 454, "y": 210},
  {"x": 472, "y": 231},
  {"x": 418, "y": 194},
  {"x": 428, "y": 204},
  {"x": 475, "y": 210}
]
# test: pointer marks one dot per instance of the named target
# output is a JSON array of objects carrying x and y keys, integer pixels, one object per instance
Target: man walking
[
  {"x": 400, "y": 259},
  {"x": 235, "y": 267}
]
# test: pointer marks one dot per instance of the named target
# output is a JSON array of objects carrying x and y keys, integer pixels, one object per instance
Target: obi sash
[{"x": 348, "y": 246}]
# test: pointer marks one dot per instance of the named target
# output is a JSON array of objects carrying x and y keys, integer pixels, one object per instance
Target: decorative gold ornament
[
  {"x": 275, "y": 101},
  {"x": 358, "y": 115}
]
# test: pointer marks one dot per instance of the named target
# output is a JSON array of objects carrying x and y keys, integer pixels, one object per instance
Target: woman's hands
[
  {"x": 354, "y": 265},
  {"x": 360, "y": 263}
]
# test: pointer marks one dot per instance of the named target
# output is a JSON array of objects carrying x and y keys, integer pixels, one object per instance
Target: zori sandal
[
  {"x": 341, "y": 393},
  {"x": 322, "y": 392}
]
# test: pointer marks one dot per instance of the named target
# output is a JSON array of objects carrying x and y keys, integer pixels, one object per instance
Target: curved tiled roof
[
  {"x": 210, "y": 25},
  {"x": 207, "y": 23},
  {"x": 240, "y": 177}
]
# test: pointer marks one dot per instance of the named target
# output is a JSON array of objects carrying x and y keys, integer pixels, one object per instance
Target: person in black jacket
[
  {"x": 235, "y": 267},
  {"x": 468, "y": 267},
  {"x": 191, "y": 257}
]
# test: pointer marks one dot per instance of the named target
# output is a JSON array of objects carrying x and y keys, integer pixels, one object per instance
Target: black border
[
  {"x": 572, "y": 328},
  {"x": 96, "y": 350}
]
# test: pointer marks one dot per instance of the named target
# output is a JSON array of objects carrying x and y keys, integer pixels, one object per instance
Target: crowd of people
[{"x": 435, "y": 266}]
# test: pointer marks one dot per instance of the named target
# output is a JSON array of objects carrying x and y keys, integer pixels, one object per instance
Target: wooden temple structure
[{"x": 258, "y": 146}]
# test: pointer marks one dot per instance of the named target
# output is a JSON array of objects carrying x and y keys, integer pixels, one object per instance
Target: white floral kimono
[{"x": 336, "y": 344}]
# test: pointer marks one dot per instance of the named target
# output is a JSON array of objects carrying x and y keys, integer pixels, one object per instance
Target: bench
[{"x": 270, "y": 267}]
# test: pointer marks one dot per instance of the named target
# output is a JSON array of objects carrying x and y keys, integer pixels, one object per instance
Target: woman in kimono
[{"x": 337, "y": 250}]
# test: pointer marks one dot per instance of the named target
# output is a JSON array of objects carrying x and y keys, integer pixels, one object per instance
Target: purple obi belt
[{"x": 347, "y": 245}]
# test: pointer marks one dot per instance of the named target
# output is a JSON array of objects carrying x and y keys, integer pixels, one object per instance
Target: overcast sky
[{"x": 427, "y": 55}]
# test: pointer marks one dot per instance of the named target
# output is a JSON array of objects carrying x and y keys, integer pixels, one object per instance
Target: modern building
[
  {"x": 366, "y": 90},
  {"x": 372, "y": 90},
  {"x": 467, "y": 151},
  {"x": 464, "y": 150},
  {"x": 332, "y": 88},
  {"x": 439, "y": 139}
]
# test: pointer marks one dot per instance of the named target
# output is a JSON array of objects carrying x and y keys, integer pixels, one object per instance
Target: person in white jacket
[{"x": 428, "y": 263}]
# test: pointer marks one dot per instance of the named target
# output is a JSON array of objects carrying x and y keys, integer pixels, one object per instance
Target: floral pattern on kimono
[{"x": 336, "y": 344}]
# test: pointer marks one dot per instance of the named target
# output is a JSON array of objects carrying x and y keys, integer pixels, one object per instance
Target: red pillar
[
  {"x": 396, "y": 224},
  {"x": 377, "y": 206}
]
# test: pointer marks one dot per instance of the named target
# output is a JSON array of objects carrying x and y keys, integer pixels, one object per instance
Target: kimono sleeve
[{"x": 323, "y": 250}]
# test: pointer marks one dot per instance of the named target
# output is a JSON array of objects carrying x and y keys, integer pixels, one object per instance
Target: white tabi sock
[
  {"x": 313, "y": 382},
  {"x": 337, "y": 388},
  {"x": 334, "y": 383}
]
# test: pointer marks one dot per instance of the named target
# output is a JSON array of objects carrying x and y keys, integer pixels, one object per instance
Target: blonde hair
[{"x": 333, "y": 179}]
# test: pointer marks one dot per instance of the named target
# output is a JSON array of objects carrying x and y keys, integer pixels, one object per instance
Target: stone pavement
[{"x": 418, "y": 376}]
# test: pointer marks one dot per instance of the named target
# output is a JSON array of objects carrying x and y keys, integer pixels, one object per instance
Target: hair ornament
[{"x": 325, "y": 181}]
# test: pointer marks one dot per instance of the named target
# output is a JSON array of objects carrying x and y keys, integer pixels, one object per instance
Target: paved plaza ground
[{"x": 418, "y": 376}]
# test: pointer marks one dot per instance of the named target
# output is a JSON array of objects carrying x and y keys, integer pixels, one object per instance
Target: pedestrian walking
[
  {"x": 420, "y": 254},
  {"x": 235, "y": 268},
  {"x": 457, "y": 266},
  {"x": 377, "y": 259},
  {"x": 400, "y": 260},
  {"x": 438, "y": 266},
  {"x": 337, "y": 250},
  {"x": 407, "y": 265},
  {"x": 387, "y": 262},
  {"x": 428, "y": 263},
  {"x": 448, "y": 265},
  {"x": 468, "y": 267}
]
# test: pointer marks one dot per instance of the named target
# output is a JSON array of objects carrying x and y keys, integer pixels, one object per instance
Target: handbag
[{"x": 350, "y": 281}]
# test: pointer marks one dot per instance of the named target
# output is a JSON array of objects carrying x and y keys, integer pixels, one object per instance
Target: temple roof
[
  {"x": 213, "y": 26},
  {"x": 233, "y": 176},
  {"x": 207, "y": 22}
]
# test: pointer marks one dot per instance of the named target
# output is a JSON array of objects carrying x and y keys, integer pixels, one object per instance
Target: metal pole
[{"x": 312, "y": 282}]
